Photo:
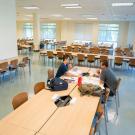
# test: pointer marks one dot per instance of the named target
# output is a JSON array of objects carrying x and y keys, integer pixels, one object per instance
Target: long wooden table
[
  {"x": 74, "y": 119},
  {"x": 39, "y": 115}
]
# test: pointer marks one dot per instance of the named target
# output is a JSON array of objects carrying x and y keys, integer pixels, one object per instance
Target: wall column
[{"x": 36, "y": 29}]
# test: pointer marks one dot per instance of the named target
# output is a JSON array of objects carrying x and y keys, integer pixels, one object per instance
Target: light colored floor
[{"x": 123, "y": 125}]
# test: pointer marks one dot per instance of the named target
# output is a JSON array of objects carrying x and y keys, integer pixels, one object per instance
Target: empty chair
[
  {"x": 58, "y": 49},
  {"x": 69, "y": 48},
  {"x": 131, "y": 63},
  {"x": 96, "y": 50},
  {"x": 118, "y": 61},
  {"x": 103, "y": 58},
  {"x": 60, "y": 55},
  {"x": 76, "y": 49},
  {"x": 39, "y": 87},
  {"x": 13, "y": 66},
  {"x": 19, "y": 99},
  {"x": 91, "y": 59},
  {"x": 3, "y": 68},
  {"x": 69, "y": 55},
  {"x": 24, "y": 62},
  {"x": 81, "y": 58},
  {"x": 50, "y": 55}
]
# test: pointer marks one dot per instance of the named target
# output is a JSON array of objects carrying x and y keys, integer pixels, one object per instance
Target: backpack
[
  {"x": 57, "y": 84},
  {"x": 90, "y": 89}
]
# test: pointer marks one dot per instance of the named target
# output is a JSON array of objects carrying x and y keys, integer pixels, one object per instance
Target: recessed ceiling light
[
  {"x": 69, "y": 5},
  {"x": 74, "y": 7},
  {"x": 122, "y": 4},
  {"x": 31, "y": 7},
  {"x": 92, "y": 18}
]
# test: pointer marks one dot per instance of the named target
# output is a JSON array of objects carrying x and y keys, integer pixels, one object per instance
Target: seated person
[
  {"x": 64, "y": 67},
  {"x": 108, "y": 78}
]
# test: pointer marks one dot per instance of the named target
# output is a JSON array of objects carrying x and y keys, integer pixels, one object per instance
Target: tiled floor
[{"x": 123, "y": 125}]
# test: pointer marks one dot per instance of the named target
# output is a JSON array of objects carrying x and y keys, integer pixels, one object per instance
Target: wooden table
[
  {"x": 39, "y": 115},
  {"x": 74, "y": 119},
  {"x": 36, "y": 111},
  {"x": 11, "y": 129}
]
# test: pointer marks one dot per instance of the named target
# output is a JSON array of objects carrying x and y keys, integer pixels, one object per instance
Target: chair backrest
[
  {"x": 25, "y": 60},
  {"x": 103, "y": 58},
  {"x": 69, "y": 48},
  {"x": 132, "y": 62},
  {"x": 14, "y": 63},
  {"x": 58, "y": 49},
  {"x": 80, "y": 57},
  {"x": 91, "y": 57},
  {"x": 76, "y": 49},
  {"x": 39, "y": 87},
  {"x": 3, "y": 66},
  {"x": 49, "y": 54},
  {"x": 60, "y": 55},
  {"x": 118, "y": 60},
  {"x": 19, "y": 99},
  {"x": 50, "y": 73}
]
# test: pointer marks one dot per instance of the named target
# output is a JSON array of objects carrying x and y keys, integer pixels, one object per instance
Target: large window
[
  {"x": 48, "y": 31},
  {"x": 108, "y": 33},
  {"x": 28, "y": 30},
  {"x": 83, "y": 33}
]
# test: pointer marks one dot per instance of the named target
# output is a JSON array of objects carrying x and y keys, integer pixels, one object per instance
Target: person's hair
[
  {"x": 65, "y": 57},
  {"x": 105, "y": 63}
]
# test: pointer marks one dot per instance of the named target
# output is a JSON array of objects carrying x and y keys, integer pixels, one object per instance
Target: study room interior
[{"x": 67, "y": 67}]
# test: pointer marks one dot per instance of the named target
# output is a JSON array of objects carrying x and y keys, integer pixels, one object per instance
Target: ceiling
[{"x": 101, "y": 9}]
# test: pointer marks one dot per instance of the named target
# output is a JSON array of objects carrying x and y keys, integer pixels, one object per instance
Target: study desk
[
  {"x": 36, "y": 111},
  {"x": 11, "y": 129},
  {"x": 75, "y": 119}
]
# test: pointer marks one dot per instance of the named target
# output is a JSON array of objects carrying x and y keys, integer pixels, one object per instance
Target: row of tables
[{"x": 40, "y": 116}]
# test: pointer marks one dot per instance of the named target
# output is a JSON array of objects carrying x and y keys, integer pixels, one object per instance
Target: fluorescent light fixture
[
  {"x": 57, "y": 15},
  {"x": 74, "y": 7},
  {"x": 67, "y": 18},
  {"x": 69, "y": 5},
  {"x": 31, "y": 7},
  {"x": 29, "y": 15},
  {"x": 122, "y": 4},
  {"x": 92, "y": 18}
]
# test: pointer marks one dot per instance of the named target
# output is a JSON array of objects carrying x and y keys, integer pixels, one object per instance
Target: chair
[
  {"x": 96, "y": 50},
  {"x": 81, "y": 58},
  {"x": 69, "y": 55},
  {"x": 23, "y": 63},
  {"x": 117, "y": 101},
  {"x": 118, "y": 61},
  {"x": 39, "y": 87},
  {"x": 58, "y": 49},
  {"x": 103, "y": 58},
  {"x": 3, "y": 68},
  {"x": 76, "y": 49},
  {"x": 50, "y": 74},
  {"x": 50, "y": 55},
  {"x": 101, "y": 110},
  {"x": 69, "y": 48},
  {"x": 131, "y": 63},
  {"x": 60, "y": 55},
  {"x": 13, "y": 66},
  {"x": 91, "y": 59},
  {"x": 19, "y": 99}
]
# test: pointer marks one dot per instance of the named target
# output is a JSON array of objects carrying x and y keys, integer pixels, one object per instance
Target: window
[
  {"x": 83, "y": 33},
  {"x": 108, "y": 33},
  {"x": 48, "y": 31},
  {"x": 28, "y": 31}
]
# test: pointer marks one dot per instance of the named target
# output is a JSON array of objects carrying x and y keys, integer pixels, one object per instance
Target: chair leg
[
  {"x": 116, "y": 105},
  {"x": 118, "y": 99},
  {"x": 105, "y": 121}
]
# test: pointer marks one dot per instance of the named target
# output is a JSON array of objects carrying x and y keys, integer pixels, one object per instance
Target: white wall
[{"x": 8, "y": 47}]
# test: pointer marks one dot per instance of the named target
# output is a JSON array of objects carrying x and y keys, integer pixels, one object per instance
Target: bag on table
[
  {"x": 90, "y": 89},
  {"x": 57, "y": 84}
]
